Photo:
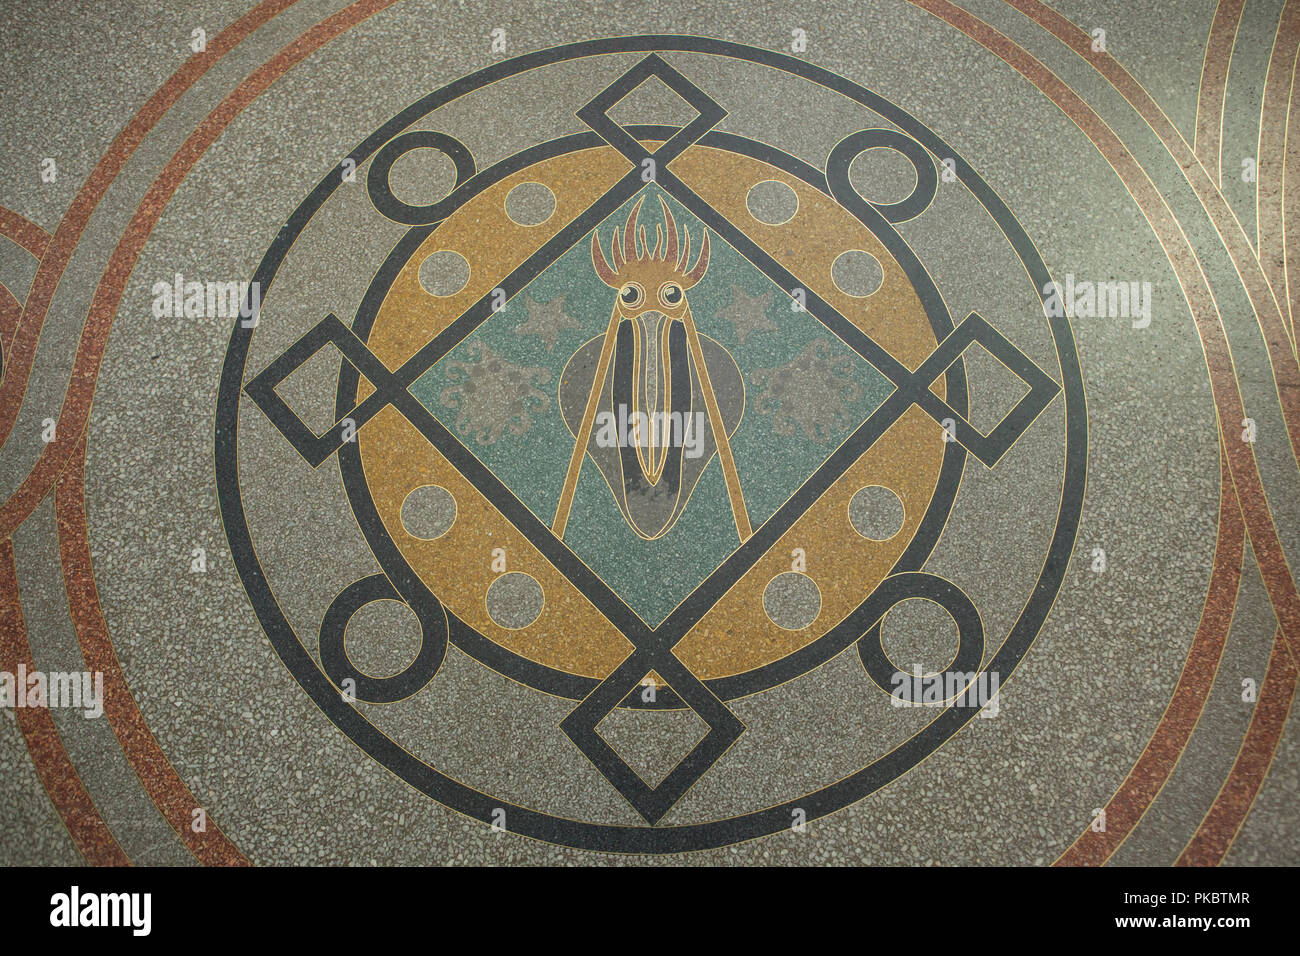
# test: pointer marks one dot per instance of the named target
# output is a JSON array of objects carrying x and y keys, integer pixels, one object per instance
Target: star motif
[
  {"x": 748, "y": 313},
  {"x": 546, "y": 320}
]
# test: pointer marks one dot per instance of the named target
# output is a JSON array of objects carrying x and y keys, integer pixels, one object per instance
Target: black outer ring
[
  {"x": 645, "y": 839},
  {"x": 573, "y": 686}
]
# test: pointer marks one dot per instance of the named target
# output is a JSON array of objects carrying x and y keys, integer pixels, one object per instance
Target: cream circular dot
[
  {"x": 876, "y": 513},
  {"x": 530, "y": 204},
  {"x": 772, "y": 202},
  {"x": 444, "y": 273},
  {"x": 514, "y": 600},
  {"x": 857, "y": 273},
  {"x": 428, "y": 512},
  {"x": 792, "y": 600}
]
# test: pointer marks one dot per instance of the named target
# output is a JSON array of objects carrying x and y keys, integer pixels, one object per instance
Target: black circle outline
[
  {"x": 918, "y": 584},
  {"x": 381, "y": 690},
  {"x": 381, "y": 193},
  {"x": 927, "y": 177}
]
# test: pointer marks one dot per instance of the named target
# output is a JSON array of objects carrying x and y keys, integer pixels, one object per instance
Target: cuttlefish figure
[{"x": 651, "y": 401}]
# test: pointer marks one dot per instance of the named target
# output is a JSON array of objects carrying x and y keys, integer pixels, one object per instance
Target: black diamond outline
[
  {"x": 652, "y": 802},
  {"x": 990, "y": 448},
  {"x": 596, "y": 112},
  {"x": 261, "y": 389},
  {"x": 628, "y": 705}
]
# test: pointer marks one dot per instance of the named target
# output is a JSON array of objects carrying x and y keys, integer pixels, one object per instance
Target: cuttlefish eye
[
  {"x": 671, "y": 294},
  {"x": 631, "y": 294}
]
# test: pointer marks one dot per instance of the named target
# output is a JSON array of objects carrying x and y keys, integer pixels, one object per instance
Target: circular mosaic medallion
[{"x": 651, "y": 418}]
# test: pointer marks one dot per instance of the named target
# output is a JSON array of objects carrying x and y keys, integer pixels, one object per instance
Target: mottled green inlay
[{"x": 805, "y": 393}]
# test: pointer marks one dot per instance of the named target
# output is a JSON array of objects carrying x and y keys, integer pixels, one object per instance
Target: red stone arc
[
  {"x": 90, "y": 835},
  {"x": 169, "y": 793},
  {"x": 32, "y": 238},
  {"x": 66, "y": 457},
  {"x": 1243, "y": 489},
  {"x": 23, "y": 231},
  {"x": 68, "y": 234},
  {"x": 159, "y": 779}
]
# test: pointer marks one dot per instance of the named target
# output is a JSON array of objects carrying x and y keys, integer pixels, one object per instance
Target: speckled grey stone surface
[{"x": 287, "y": 787}]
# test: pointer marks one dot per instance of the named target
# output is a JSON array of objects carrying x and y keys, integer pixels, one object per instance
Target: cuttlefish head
[{"x": 650, "y": 280}]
